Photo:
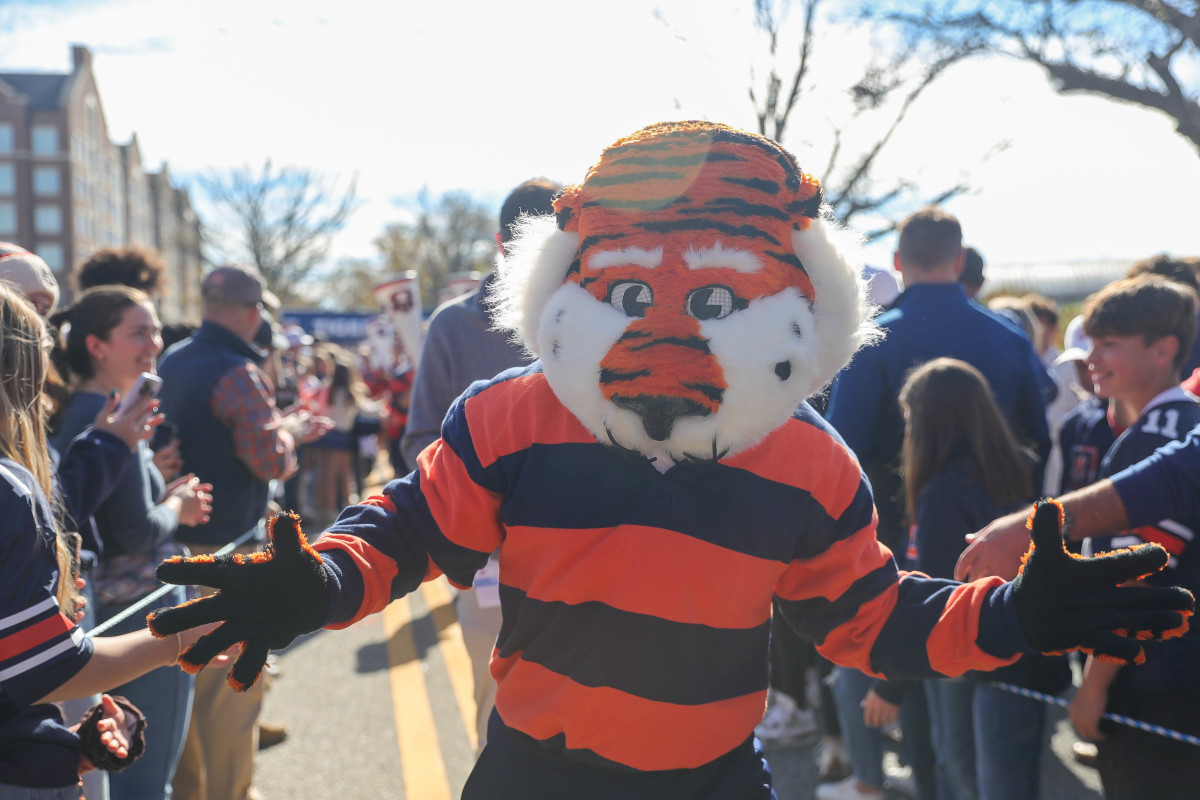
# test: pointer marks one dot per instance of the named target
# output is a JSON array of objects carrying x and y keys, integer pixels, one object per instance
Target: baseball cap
[
  {"x": 1075, "y": 342},
  {"x": 237, "y": 284},
  {"x": 27, "y": 272}
]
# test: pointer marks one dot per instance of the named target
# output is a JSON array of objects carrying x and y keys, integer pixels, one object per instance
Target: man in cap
[{"x": 232, "y": 434}]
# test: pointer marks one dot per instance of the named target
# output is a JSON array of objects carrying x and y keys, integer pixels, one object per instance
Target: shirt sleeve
[
  {"x": 444, "y": 518},
  {"x": 1167, "y": 484},
  {"x": 862, "y": 612},
  {"x": 242, "y": 400},
  {"x": 131, "y": 514},
  {"x": 40, "y": 647},
  {"x": 89, "y": 469}
]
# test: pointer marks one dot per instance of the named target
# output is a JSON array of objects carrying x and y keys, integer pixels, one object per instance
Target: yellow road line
[
  {"x": 420, "y": 754},
  {"x": 454, "y": 651}
]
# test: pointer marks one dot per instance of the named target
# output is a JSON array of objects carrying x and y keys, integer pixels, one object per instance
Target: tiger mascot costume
[{"x": 653, "y": 483}]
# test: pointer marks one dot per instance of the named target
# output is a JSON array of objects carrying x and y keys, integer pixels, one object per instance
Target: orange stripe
[
  {"x": 1170, "y": 542},
  {"x": 377, "y": 570},
  {"x": 467, "y": 514},
  {"x": 951, "y": 644},
  {"x": 630, "y": 730},
  {"x": 28, "y": 638},
  {"x": 850, "y": 643},
  {"x": 497, "y": 431},
  {"x": 611, "y": 566},
  {"x": 830, "y": 574},
  {"x": 800, "y": 455}
]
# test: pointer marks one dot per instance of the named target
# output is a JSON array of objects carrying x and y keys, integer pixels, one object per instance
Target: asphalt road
[{"x": 381, "y": 710}]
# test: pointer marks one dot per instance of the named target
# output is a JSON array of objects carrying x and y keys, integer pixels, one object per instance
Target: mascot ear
[
  {"x": 566, "y": 207},
  {"x": 841, "y": 313},
  {"x": 537, "y": 260}
]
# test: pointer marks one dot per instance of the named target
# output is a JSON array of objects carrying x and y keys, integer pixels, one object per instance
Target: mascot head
[{"x": 688, "y": 295}]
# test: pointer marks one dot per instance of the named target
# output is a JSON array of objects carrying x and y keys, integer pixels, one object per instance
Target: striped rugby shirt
[
  {"x": 636, "y": 605},
  {"x": 40, "y": 648}
]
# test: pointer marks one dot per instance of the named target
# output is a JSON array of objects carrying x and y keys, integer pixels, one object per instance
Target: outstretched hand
[
  {"x": 1065, "y": 602},
  {"x": 265, "y": 600}
]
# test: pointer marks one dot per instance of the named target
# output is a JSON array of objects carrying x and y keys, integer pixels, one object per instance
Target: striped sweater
[
  {"x": 40, "y": 647},
  {"x": 636, "y": 604}
]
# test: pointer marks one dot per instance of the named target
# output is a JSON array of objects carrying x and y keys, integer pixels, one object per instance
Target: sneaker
[
  {"x": 785, "y": 724},
  {"x": 271, "y": 734},
  {"x": 1084, "y": 753},
  {"x": 833, "y": 762},
  {"x": 847, "y": 790}
]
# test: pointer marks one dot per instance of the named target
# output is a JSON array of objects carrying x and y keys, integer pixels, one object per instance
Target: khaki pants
[
  {"x": 480, "y": 626},
  {"x": 218, "y": 756}
]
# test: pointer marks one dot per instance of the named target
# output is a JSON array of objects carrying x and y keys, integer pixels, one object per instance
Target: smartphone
[
  {"x": 164, "y": 434},
  {"x": 147, "y": 385}
]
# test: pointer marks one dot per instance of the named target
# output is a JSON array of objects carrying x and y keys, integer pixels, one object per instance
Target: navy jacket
[
  {"x": 929, "y": 321},
  {"x": 190, "y": 371}
]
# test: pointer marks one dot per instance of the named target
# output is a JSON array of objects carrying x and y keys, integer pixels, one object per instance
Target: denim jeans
[
  {"x": 165, "y": 698},
  {"x": 951, "y": 714},
  {"x": 1008, "y": 743},
  {"x": 864, "y": 745}
]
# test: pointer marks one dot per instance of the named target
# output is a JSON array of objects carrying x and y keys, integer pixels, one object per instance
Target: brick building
[{"x": 66, "y": 190}]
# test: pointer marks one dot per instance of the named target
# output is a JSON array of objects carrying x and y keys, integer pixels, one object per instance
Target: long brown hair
[
  {"x": 949, "y": 409},
  {"x": 24, "y": 363}
]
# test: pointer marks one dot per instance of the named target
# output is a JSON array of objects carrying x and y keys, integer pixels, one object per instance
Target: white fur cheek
[
  {"x": 575, "y": 333},
  {"x": 748, "y": 345}
]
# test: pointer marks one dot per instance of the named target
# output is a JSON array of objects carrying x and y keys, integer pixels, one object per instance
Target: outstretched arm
[{"x": 1095, "y": 510}]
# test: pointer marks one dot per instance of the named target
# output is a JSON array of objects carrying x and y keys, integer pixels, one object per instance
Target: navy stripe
[
  {"x": 758, "y": 184},
  {"x": 736, "y": 205},
  {"x": 815, "y": 618},
  {"x": 787, "y": 162},
  {"x": 788, "y": 259},
  {"x": 651, "y": 204},
  {"x": 633, "y": 177},
  {"x": 594, "y": 240},
  {"x": 597, "y": 645},
  {"x": 919, "y": 604},
  {"x": 730, "y": 507},
  {"x": 748, "y": 231}
]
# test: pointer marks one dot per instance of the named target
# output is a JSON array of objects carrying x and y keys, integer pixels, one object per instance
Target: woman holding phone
[
  {"x": 113, "y": 338},
  {"x": 48, "y": 658}
]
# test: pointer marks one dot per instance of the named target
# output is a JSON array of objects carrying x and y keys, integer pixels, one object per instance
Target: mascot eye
[
  {"x": 631, "y": 298},
  {"x": 713, "y": 302}
]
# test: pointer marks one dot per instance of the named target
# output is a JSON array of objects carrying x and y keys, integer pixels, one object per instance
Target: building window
[
  {"x": 52, "y": 254},
  {"x": 47, "y": 219},
  {"x": 46, "y": 181},
  {"x": 45, "y": 140},
  {"x": 8, "y": 180},
  {"x": 83, "y": 225},
  {"x": 7, "y": 142},
  {"x": 8, "y": 218}
]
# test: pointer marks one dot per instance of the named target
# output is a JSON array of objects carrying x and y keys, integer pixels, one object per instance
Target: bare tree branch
[
  {"x": 284, "y": 220},
  {"x": 1143, "y": 52}
]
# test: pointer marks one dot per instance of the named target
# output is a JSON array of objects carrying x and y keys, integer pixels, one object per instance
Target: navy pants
[{"x": 514, "y": 766}]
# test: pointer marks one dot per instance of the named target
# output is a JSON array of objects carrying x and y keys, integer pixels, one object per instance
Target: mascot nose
[{"x": 658, "y": 412}]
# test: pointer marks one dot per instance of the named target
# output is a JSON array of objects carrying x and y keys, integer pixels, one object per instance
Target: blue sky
[{"x": 480, "y": 95}]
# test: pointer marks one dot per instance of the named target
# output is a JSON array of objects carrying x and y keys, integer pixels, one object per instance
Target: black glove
[
  {"x": 266, "y": 599},
  {"x": 1065, "y": 602},
  {"x": 92, "y": 747}
]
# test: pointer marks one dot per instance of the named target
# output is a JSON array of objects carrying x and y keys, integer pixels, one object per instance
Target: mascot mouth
[{"x": 658, "y": 413}]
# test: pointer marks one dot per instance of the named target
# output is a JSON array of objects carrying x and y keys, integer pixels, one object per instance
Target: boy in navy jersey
[{"x": 1142, "y": 330}]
